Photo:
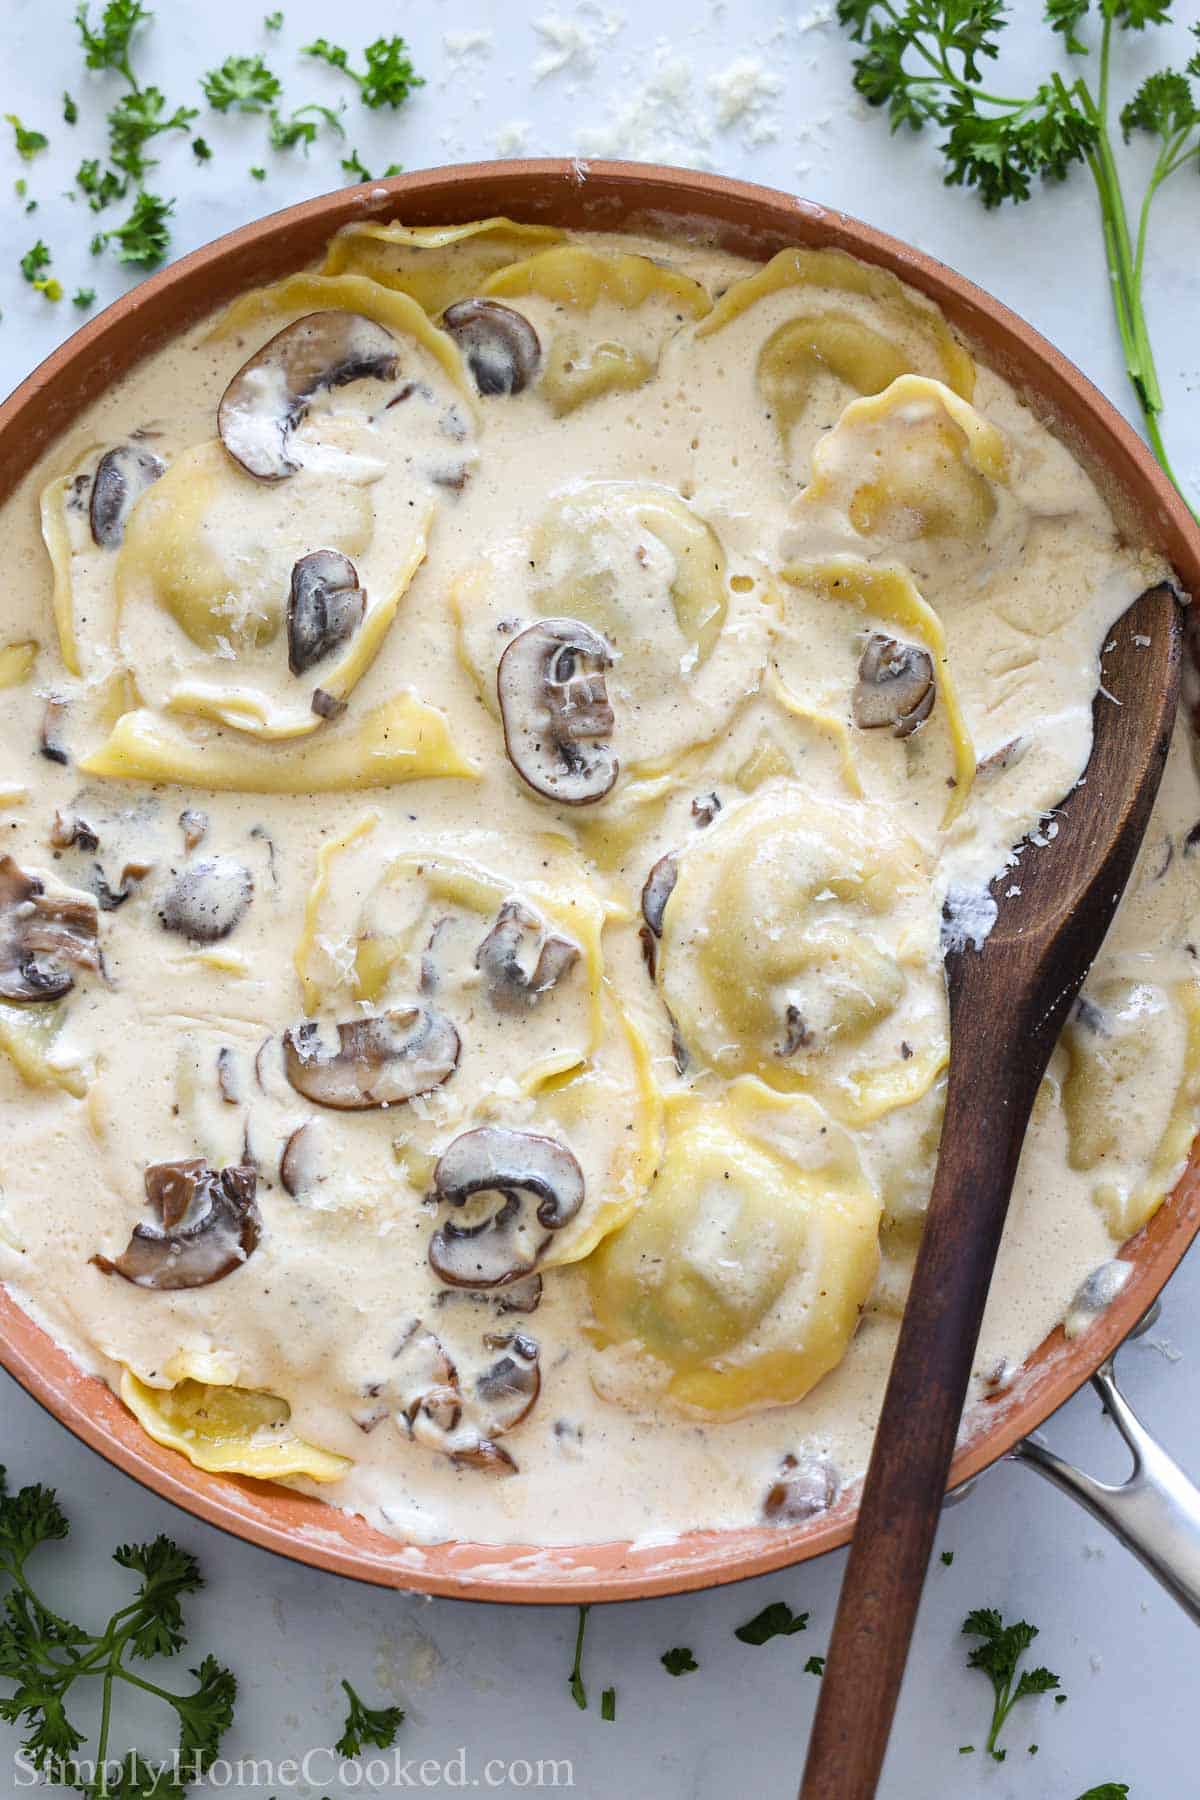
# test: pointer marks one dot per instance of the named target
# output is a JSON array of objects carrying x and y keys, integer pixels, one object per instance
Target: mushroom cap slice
[
  {"x": 895, "y": 686},
  {"x": 499, "y": 345},
  {"x": 271, "y": 393},
  {"x": 554, "y": 707},
  {"x": 40, "y": 934},
  {"x": 382, "y": 1061},
  {"x": 520, "y": 960},
  {"x": 207, "y": 899},
  {"x": 325, "y": 607},
  {"x": 122, "y": 476},
  {"x": 491, "y": 1173},
  {"x": 507, "y": 1390},
  {"x": 209, "y": 1227},
  {"x": 803, "y": 1487},
  {"x": 657, "y": 889}
]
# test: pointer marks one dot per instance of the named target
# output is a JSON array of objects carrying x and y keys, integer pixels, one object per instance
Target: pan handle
[{"x": 1156, "y": 1513}]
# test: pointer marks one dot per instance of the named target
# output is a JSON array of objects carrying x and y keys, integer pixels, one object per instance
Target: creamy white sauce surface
[{"x": 737, "y": 502}]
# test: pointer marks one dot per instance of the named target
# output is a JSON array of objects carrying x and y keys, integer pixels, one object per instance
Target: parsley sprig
[
  {"x": 140, "y": 115},
  {"x": 923, "y": 60},
  {"x": 243, "y": 83},
  {"x": 998, "y": 1655},
  {"x": 388, "y": 78},
  {"x": 45, "y": 1656},
  {"x": 375, "y": 1725}
]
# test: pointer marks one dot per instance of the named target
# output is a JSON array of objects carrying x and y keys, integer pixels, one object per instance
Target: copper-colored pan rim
[{"x": 756, "y": 221}]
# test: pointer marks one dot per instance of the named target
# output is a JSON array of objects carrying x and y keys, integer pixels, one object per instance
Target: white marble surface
[{"x": 490, "y": 1679}]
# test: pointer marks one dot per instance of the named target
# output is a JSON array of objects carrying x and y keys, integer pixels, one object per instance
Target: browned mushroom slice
[
  {"x": 272, "y": 392},
  {"x": 378, "y": 1062},
  {"x": 209, "y": 1227},
  {"x": 803, "y": 1487},
  {"x": 489, "y": 1176},
  {"x": 554, "y": 706},
  {"x": 520, "y": 960},
  {"x": 895, "y": 686},
  {"x": 207, "y": 899},
  {"x": 42, "y": 937},
  {"x": 500, "y": 346},
  {"x": 508, "y": 1388},
  {"x": 657, "y": 889},
  {"x": 69, "y": 830},
  {"x": 489, "y": 1458},
  {"x": 301, "y": 1165},
  {"x": 325, "y": 607},
  {"x": 122, "y": 476}
]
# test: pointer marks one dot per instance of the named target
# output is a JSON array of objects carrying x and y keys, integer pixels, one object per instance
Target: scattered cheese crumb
[
  {"x": 512, "y": 139},
  {"x": 742, "y": 91},
  {"x": 460, "y": 44}
]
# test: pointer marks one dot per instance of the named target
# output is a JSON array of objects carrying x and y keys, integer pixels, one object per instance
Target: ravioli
[
  {"x": 1132, "y": 1138},
  {"x": 744, "y": 1272},
  {"x": 228, "y": 1430},
  {"x": 514, "y": 960},
  {"x": 823, "y": 974},
  {"x": 638, "y": 565},
  {"x": 604, "y": 317},
  {"x": 435, "y": 264}
]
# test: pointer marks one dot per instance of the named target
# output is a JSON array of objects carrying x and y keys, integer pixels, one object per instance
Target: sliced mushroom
[
  {"x": 209, "y": 1227},
  {"x": 804, "y": 1487},
  {"x": 300, "y": 1164},
  {"x": 705, "y": 808},
  {"x": 500, "y": 346},
  {"x": 40, "y": 935},
  {"x": 50, "y": 742},
  {"x": 657, "y": 889},
  {"x": 488, "y": 1175},
  {"x": 194, "y": 825},
  {"x": 272, "y": 392},
  {"x": 508, "y": 1389},
  {"x": 554, "y": 706},
  {"x": 122, "y": 476},
  {"x": 520, "y": 960},
  {"x": 895, "y": 686},
  {"x": 325, "y": 607},
  {"x": 521, "y": 1296},
  {"x": 208, "y": 899},
  {"x": 378, "y": 1062},
  {"x": 70, "y": 831},
  {"x": 326, "y": 706},
  {"x": 109, "y": 898}
]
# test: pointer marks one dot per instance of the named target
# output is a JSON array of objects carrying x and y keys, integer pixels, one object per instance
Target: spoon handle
[{"x": 988, "y": 1100}]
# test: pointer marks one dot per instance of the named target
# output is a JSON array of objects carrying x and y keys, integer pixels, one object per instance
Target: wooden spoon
[{"x": 1008, "y": 1001}]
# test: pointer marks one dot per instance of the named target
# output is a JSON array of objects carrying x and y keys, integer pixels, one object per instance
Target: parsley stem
[{"x": 102, "y": 1734}]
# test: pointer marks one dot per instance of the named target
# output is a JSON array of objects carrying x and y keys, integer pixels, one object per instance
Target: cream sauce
[{"x": 735, "y": 525}]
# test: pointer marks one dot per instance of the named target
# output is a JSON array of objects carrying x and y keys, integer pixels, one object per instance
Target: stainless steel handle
[{"x": 1156, "y": 1513}]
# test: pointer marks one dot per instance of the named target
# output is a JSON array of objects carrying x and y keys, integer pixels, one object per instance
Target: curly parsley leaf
[
  {"x": 70, "y": 110},
  {"x": 815, "y": 1666},
  {"x": 135, "y": 119},
  {"x": 44, "y": 1656},
  {"x": 775, "y": 1620},
  {"x": 273, "y": 21},
  {"x": 998, "y": 1655},
  {"x": 1108, "y": 1790},
  {"x": 301, "y": 128},
  {"x": 28, "y": 142},
  {"x": 1164, "y": 105},
  {"x": 388, "y": 78},
  {"x": 108, "y": 48},
  {"x": 1065, "y": 17},
  {"x": 679, "y": 1661},
  {"x": 242, "y": 83},
  {"x": 376, "y": 1725},
  {"x": 201, "y": 150},
  {"x": 100, "y": 186},
  {"x": 143, "y": 239},
  {"x": 83, "y": 298}
]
